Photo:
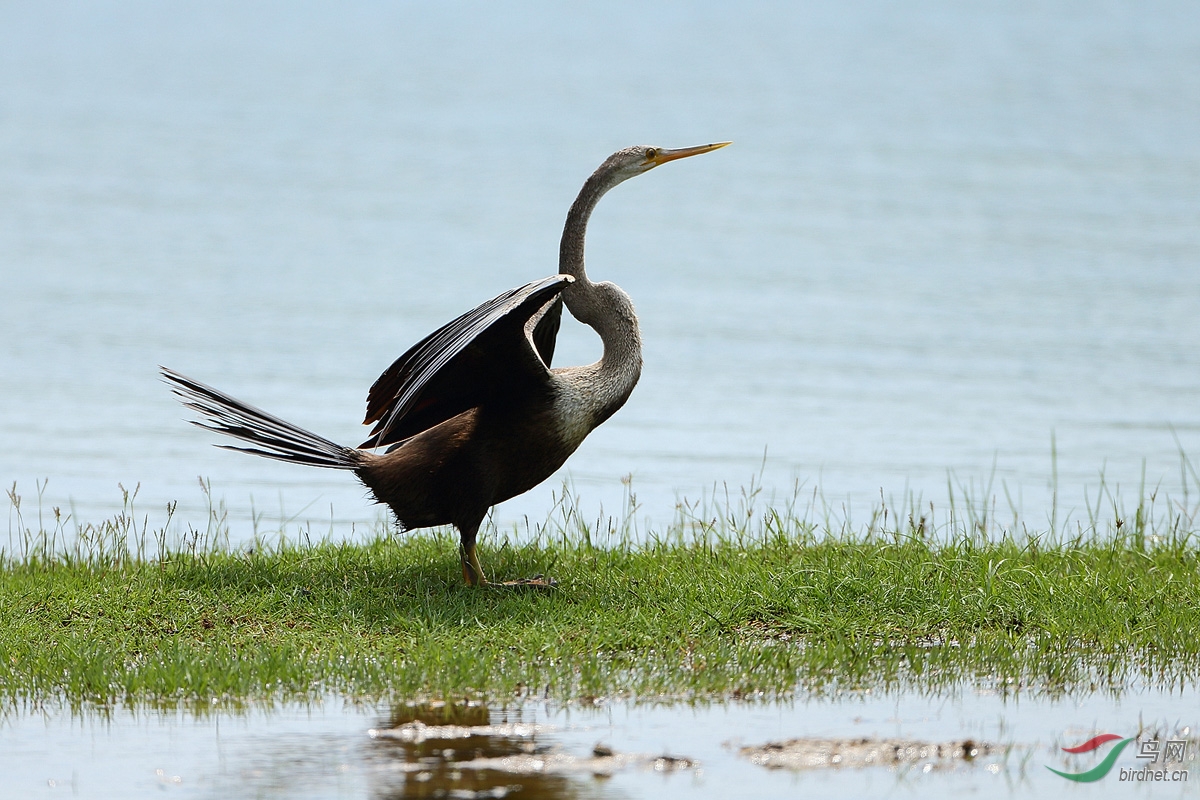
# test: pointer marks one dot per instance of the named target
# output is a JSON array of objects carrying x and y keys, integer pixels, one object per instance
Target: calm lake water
[{"x": 943, "y": 235}]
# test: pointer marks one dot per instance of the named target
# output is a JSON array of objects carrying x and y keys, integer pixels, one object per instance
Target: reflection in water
[
  {"x": 458, "y": 750},
  {"x": 431, "y": 750}
]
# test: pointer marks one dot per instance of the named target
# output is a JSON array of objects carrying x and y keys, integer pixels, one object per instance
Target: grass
[{"x": 737, "y": 603}]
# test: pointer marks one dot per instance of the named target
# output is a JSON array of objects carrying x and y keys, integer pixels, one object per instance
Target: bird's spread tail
[{"x": 273, "y": 437}]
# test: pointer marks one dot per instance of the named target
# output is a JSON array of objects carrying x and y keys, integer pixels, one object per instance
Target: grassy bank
[{"x": 772, "y": 605}]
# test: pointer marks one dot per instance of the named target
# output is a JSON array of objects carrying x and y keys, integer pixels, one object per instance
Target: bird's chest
[{"x": 530, "y": 447}]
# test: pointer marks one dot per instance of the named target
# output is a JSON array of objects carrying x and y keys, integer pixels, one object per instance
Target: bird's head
[{"x": 631, "y": 161}]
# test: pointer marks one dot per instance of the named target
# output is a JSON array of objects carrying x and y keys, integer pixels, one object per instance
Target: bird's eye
[{"x": 652, "y": 153}]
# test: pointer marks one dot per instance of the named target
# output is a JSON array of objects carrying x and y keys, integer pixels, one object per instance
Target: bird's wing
[
  {"x": 545, "y": 329},
  {"x": 462, "y": 364}
]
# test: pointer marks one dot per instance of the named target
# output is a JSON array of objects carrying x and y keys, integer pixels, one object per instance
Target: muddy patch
[{"x": 812, "y": 754}]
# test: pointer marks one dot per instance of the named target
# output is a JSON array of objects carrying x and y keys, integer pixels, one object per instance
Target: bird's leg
[
  {"x": 473, "y": 571},
  {"x": 471, "y": 568}
]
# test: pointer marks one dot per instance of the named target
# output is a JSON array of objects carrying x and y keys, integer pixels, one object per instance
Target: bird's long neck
[
  {"x": 570, "y": 249},
  {"x": 603, "y": 306}
]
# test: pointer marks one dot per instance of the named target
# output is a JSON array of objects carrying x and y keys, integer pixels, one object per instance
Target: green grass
[{"x": 745, "y": 605}]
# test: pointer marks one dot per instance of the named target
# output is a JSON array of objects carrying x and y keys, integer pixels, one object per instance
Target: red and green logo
[{"x": 1104, "y": 767}]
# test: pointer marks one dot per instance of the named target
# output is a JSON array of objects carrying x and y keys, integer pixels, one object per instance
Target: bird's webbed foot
[
  {"x": 536, "y": 582},
  {"x": 472, "y": 572}
]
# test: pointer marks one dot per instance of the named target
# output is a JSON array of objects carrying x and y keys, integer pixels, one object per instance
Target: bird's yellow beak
[{"x": 663, "y": 155}]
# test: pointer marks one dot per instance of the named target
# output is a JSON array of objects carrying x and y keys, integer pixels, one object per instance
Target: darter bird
[{"x": 473, "y": 415}]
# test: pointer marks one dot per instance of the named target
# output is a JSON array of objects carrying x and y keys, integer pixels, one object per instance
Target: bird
[{"x": 473, "y": 414}]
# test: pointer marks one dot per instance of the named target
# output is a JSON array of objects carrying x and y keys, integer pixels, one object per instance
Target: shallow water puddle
[{"x": 907, "y": 744}]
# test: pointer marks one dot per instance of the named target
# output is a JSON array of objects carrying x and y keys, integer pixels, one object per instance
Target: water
[
  {"x": 942, "y": 236},
  {"x": 339, "y": 749}
]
